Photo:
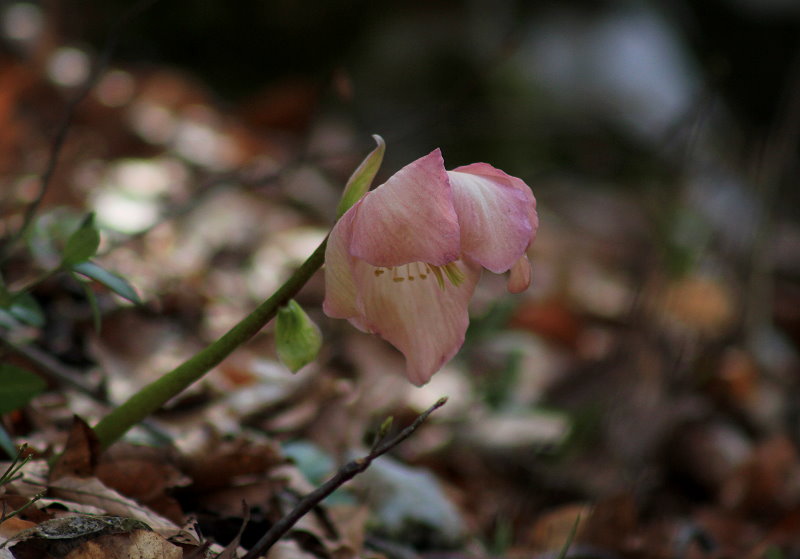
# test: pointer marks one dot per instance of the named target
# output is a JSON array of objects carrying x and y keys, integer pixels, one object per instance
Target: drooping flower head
[{"x": 403, "y": 262}]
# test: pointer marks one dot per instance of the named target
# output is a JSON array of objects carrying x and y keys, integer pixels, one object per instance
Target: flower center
[{"x": 421, "y": 270}]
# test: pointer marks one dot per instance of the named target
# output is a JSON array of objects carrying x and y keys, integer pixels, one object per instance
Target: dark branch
[{"x": 345, "y": 474}]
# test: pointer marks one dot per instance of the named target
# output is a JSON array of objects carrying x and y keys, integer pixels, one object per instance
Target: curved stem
[{"x": 113, "y": 426}]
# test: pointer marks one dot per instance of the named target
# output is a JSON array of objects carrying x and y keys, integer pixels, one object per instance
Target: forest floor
[{"x": 614, "y": 410}]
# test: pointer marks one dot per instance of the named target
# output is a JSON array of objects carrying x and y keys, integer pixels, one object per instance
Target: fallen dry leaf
[
  {"x": 11, "y": 527},
  {"x": 139, "y": 544},
  {"x": 59, "y": 536},
  {"x": 91, "y": 491},
  {"x": 146, "y": 474},
  {"x": 220, "y": 461},
  {"x": 80, "y": 453}
]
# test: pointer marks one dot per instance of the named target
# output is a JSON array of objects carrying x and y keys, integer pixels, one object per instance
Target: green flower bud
[{"x": 297, "y": 338}]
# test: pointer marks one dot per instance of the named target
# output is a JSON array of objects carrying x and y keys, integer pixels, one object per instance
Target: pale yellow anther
[
  {"x": 437, "y": 272},
  {"x": 454, "y": 273},
  {"x": 451, "y": 271}
]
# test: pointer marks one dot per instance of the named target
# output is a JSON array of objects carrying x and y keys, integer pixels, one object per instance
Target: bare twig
[
  {"x": 20, "y": 510},
  {"x": 345, "y": 474},
  {"x": 63, "y": 127}
]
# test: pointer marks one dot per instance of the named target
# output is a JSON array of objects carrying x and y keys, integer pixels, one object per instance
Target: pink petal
[
  {"x": 520, "y": 276},
  {"x": 340, "y": 288},
  {"x": 410, "y": 218},
  {"x": 497, "y": 215},
  {"x": 422, "y": 320},
  {"x": 486, "y": 170}
]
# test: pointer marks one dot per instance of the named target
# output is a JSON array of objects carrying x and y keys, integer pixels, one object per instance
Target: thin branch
[
  {"x": 63, "y": 127},
  {"x": 345, "y": 474}
]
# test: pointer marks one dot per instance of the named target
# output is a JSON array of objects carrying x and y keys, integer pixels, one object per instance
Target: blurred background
[{"x": 653, "y": 365}]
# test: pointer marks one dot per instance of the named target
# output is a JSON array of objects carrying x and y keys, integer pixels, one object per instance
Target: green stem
[{"x": 150, "y": 398}]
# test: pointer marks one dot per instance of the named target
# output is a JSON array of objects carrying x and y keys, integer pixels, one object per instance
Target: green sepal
[
  {"x": 297, "y": 339},
  {"x": 362, "y": 177}
]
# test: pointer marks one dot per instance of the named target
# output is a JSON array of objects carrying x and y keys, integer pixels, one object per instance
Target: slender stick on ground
[{"x": 345, "y": 474}]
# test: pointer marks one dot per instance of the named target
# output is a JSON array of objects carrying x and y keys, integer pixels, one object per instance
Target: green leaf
[
  {"x": 82, "y": 244},
  {"x": 25, "y": 309},
  {"x": 50, "y": 232},
  {"x": 297, "y": 338},
  {"x": 115, "y": 283},
  {"x": 362, "y": 177},
  {"x": 17, "y": 387}
]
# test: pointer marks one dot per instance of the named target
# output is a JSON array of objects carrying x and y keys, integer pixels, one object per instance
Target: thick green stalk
[{"x": 150, "y": 398}]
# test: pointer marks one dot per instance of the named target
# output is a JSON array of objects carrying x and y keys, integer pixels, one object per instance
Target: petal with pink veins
[
  {"x": 494, "y": 216},
  {"x": 410, "y": 218},
  {"x": 487, "y": 171},
  {"x": 425, "y": 322}
]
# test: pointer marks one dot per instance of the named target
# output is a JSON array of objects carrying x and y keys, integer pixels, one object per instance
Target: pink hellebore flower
[{"x": 403, "y": 262}]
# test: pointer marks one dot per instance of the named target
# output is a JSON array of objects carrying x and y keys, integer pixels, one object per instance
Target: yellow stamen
[
  {"x": 454, "y": 274},
  {"x": 422, "y": 270},
  {"x": 437, "y": 272}
]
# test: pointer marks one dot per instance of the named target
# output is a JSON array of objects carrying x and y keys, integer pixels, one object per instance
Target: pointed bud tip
[
  {"x": 385, "y": 426},
  {"x": 361, "y": 179}
]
